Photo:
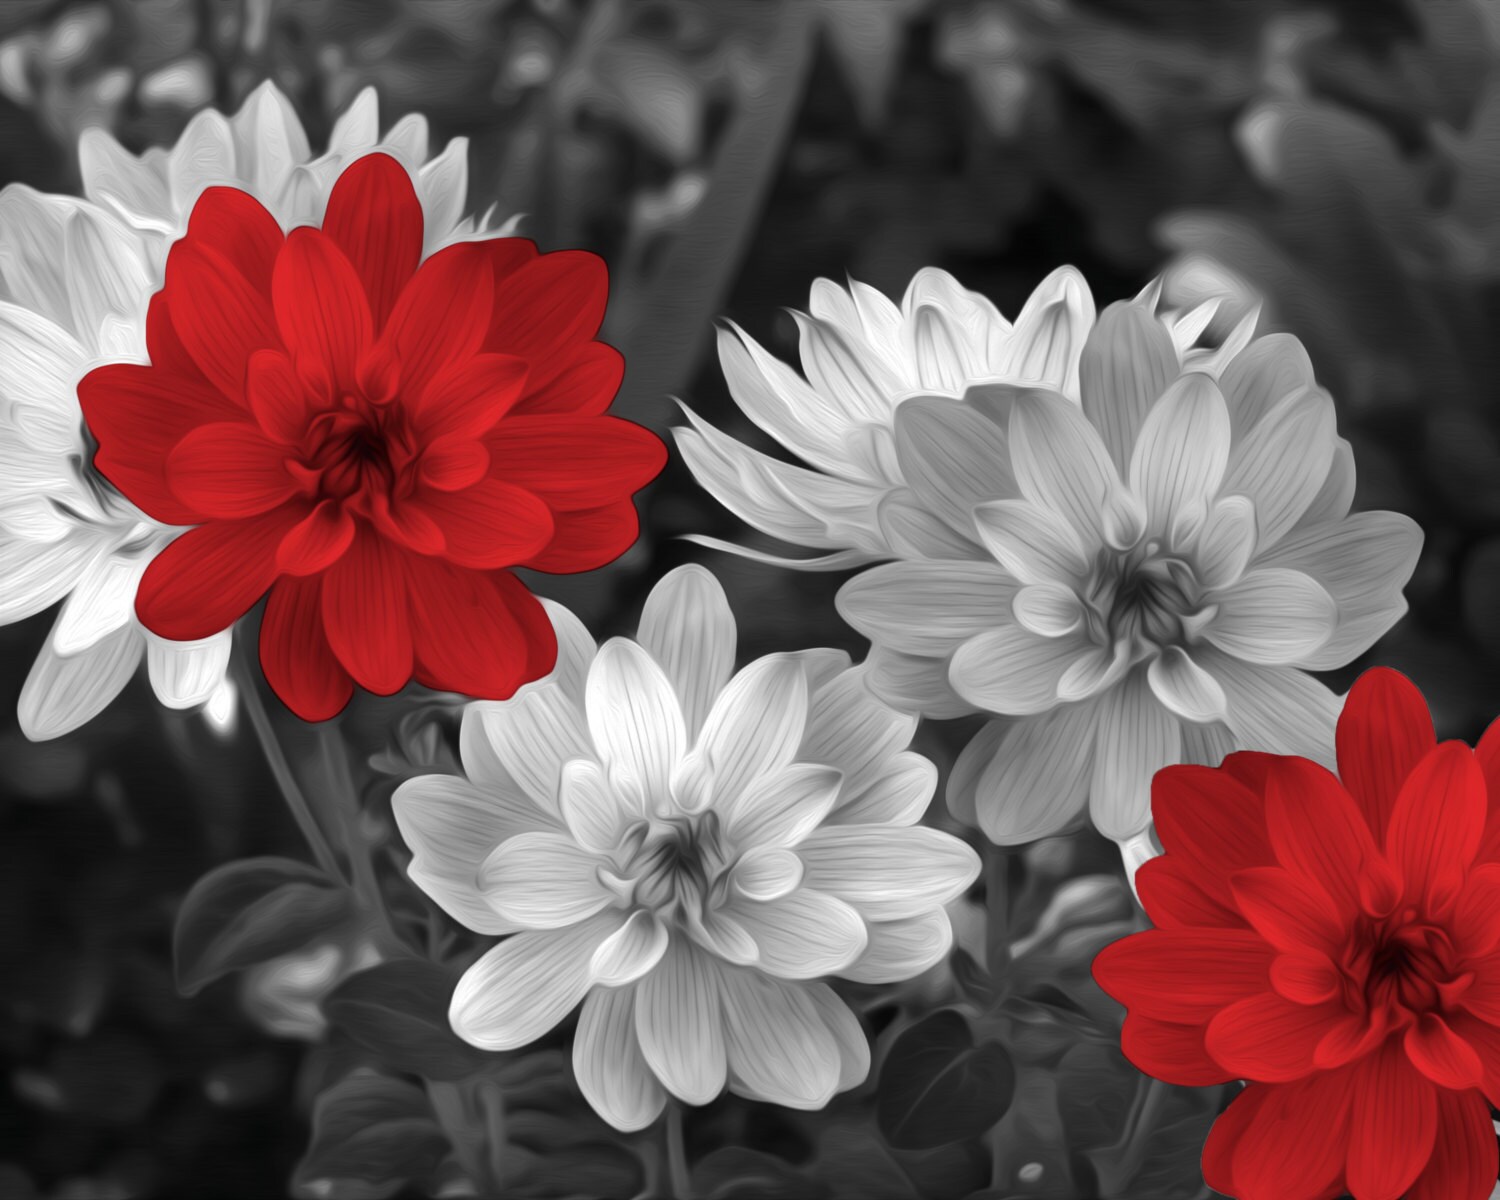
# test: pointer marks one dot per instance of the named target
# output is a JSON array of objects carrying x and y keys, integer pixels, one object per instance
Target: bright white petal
[
  {"x": 31, "y": 246},
  {"x": 37, "y": 575},
  {"x": 1336, "y": 496},
  {"x": 912, "y": 531},
  {"x": 766, "y": 873},
  {"x": 185, "y": 674},
  {"x": 451, "y": 826},
  {"x": 1013, "y": 671},
  {"x": 888, "y": 873},
  {"x": 754, "y": 726},
  {"x": 1206, "y": 744},
  {"x": 1186, "y": 688},
  {"x": 202, "y": 158},
  {"x": 953, "y": 457},
  {"x": 43, "y": 363},
  {"x": 1127, "y": 363},
  {"x": 101, "y": 602},
  {"x": 115, "y": 178},
  {"x": 926, "y": 608},
  {"x": 358, "y": 126},
  {"x": 804, "y": 935},
  {"x": 443, "y": 189},
  {"x": 1181, "y": 452},
  {"x": 1031, "y": 542},
  {"x": 543, "y": 880},
  {"x": 1037, "y": 779},
  {"x": 527, "y": 984},
  {"x": 859, "y": 384},
  {"x": 269, "y": 140},
  {"x": 62, "y": 693},
  {"x": 1272, "y": 615},
  {"x": 532, "y": 735},
  {"x": 898, "y": 795},
  {"x": 902, "y": 949},
  {"x": 848, "y": 1035},
  {"x": 680, "y": 1024},
  {"x": 595, "y": 812},
  {"x": 575, "y": 651},
  {"x": 1281, "y": 463},
  {"x": 688, "y": 628},
  {"x": 1048, "y": 338},
  {"x": 407, "y": 139},
  {"x": 1263, "y": 375},
  {"x": 1061, "y": 464},
  {"x": 780, "y": 1048},
  {"x": 914, "y": 684},
  {"x": 1226, "y": 541},
  {"x": 106, "y": 269},
  {"x": 607, "y": 1060},
  {"x": 630, "y": 952},
  {"x": 782, "y": 808},
  {"x": 1136, "y": 738},
  {"x": 851, "y": 728},
  {"x": 1277, "y": 710},
  {"x": 1048, "y": 609},
  {"x": 962, "y": 793}
]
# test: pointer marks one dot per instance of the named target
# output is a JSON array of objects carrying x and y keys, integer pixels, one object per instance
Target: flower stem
[
  {"x": 997, "y": 909},
  {"x": 678, "y": 1182},
  {"x": 248, "y": 681}
]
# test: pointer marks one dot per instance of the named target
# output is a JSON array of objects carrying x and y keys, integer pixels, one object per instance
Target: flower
[
  {"x": 1133, "y": 579},
  {"x": 1335, "y": 941},
  {"x": 372, "y": 438},
  {"x": 686, "y": 853}
]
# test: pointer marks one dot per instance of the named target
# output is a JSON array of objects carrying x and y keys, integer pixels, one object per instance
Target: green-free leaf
[
  {"x": 937, "y": 1086},
  {"x": 399, "y": 1010}
]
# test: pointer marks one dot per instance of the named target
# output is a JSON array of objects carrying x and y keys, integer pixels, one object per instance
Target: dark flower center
[
  {"x": 359, "y": 450},
  {"x": 1140, "y": 597},
  {"x": 1403, "y": 967},
  {"x": 677, "y": 865}
]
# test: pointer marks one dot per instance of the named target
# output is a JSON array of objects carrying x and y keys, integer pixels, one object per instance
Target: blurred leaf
[
  {"x": 249, "y": 911},
  {"x": 867, "y": 40},
  {"x": 399, "y": 1010},
  {"x": 653, "y": 94},
  {"x": 371, "y": 1136},
  {"x": 937, "y": 1086},
  {"x": 739, "y": 1173}
]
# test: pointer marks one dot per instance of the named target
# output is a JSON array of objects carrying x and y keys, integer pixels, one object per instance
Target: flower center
[
  {"x": 1142, "y": 598},
  {"x": 1403, "y": 967},
  {"x": 676, "y": 866},
  {"x": 357, "y": 450}
]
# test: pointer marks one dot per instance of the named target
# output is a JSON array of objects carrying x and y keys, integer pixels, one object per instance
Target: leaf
[
  {"x": 248, "y": 912},
  {"x": 371, "y": 1136},
  {"x": 938, "y": 1087},
  {"x": 867, "y": 40},
  {"x": 399, "y": 1010},
  {"x": 740, "y": 1173}
]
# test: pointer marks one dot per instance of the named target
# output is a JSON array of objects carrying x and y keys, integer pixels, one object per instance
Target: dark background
[{"x": 1340, "y": 158}]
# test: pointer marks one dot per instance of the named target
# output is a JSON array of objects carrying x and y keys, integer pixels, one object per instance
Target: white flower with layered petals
[
  {"x": 76, "y": 278},
  {"x": 686, "y": 851},
  {"x": 1137, "y": 577}
]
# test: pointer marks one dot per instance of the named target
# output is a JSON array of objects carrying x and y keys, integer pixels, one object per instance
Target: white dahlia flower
[
  {"x": 1136, "y": 577},
  {"x": 76, "y": 279},
  {"x": 687, "y": 852}
]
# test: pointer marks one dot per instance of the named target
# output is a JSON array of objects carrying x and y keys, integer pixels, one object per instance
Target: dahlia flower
[
  {"x": 372, "y": 438},
  {"x": 686, "y": 852},
  {"x": 1129, "y": 579},
  {"x": 1334, "y": 941}
]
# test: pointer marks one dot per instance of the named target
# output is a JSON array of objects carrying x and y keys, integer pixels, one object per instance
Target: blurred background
[{"x": 1336, "y": 160}]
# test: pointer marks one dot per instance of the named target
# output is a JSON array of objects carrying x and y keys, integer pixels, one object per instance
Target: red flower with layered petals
[
  {"x": 373, "y": 439},
  {"x": 1336, "y": 943}
]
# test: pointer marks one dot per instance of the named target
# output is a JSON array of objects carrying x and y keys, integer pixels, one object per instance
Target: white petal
[
  {"x": 946, "y": 355},
  {"x": 853, "y": 1046},
  {"x": 101, "y": 602},
  {"x": 1013, "y": 671},
  {"x": 1031, "y": 542},
  {"x": 62, "y": 693},
  {"x": 886, "y": 872},
  {"x": 851, "y": 728},
  {"x": 1033, "y": 778},
  {"x": 1272, "y": 615},
  {"x": 106, "y": 268},
  {"x": 953, "y": 457},
  {"x": 269, "y": 140},
  {"x": 898, "y": 795},
  {"x": 880, "y": 321},
  {"x": 968, "y": 771},
  {"x": 475, "y": 750},
  {"x": 185, "y": 674},
  {"x": 1048, "y": 609},
  {"x": 1277, "y": 710},
  {"x": 607, "y": 1060},
  {"x": 971, "y": 313},
  {"x": 1186, "y": 688},
  {"x": 115, "y": 178},
  {"x": 358, "y": 126},
  {"x": 1137, "y": 737},
  {"x": 1095, "y": 670},
  {"x": 927, "y": 608},
  {"x": 1226, "y": 541},
  {"x": 1281, "y": 463},
  {"x": 630, "y": 952},
  {"x": 34, "y": 576},
  {"x": 1206, "y": 744},
  {"x": 688, "y": 628},
  {"x": 1048, "y": 338},
  {"x": 451, "y": 826},
  {"x": 782, "y": 808},
  {"x": 43, "y": 363},
  {"x": 780, "y": 1048},
  {"x": 1263, "y": 375},
  {"x": 755, "y": 725},
  {"x": 31, "y": 246},
  {"x": 443, "y": 189},
  {"x": 1126, "y": 365},
  {"x": 575, "y": 651},
  {"x": 407, "y": 139},
  {"x": 1060, "y": 463},
  {"x": 912, "y": 531},
  {"x": 680, "y": 1024},
  {"x": 542, "y": 880},
  {"x": 1182, "y": 451},
  {"x": 596, "y": 814},
  {"x": 859, "y": 384},
  {"x": 914, "y": 684},
  {"x": 766, "y": 873},
  {"x": 902, "y": 949},
  {"x": 1336, "y": 496},
  {"x": 804, "y": 935},
  {"x": 532, "y": 735},
  {"x": 527, "y": 984},
  {"x": 203, "y": 157}
]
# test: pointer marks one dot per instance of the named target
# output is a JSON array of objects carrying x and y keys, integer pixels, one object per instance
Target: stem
[
  {"x": 997, "y": 909},
  {"x": 678, "y": 1182},
  {"x": 248, "y": 681}
]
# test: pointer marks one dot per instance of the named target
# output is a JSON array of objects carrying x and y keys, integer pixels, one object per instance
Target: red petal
[
  {"x": 408, "y": 524},
  {"x": 294, "y": 652},
  {"x": 1464, "y": 1160},
  {"x": 454, "y": 463},
  {"x": 1224, "y": 1137},
  {"x": 317, "y": 542},
  {"x": 1294, "y": 1144},
  {"x": 1438, "y": 822},
  {"x": 219, "y": 315},
  {"x": 506, "y": 256},
  {"x": 277, "y": 396},
  {"x": 468, "y": 638},
  {"x": 586, "y": 386},
  {"x": 1173, "y": 899},
  {"x": 137, "y": 414},
  {"x": 1383, "y": 732},
  {"x": 1268, "y": 1038},
  {"x": 1482, "y": 997},
  {"x": 585, "y": 540},
  {"x": 1184, "y": 976},
  {"x": 1394, "y": 1125},
  {"x": 536, "y": 625},
  {"x": 555, "y": 299},
  {"x": 211, "y": 576},
  {"x": 1210, "y": 824},
  {"x": 467, "y": 397},
  {"x": 1485, "y": 1038},
  {"x": 235, "y": 224},
  {"x": 441, "y": 315},
  {"x": 365, "y": 614},
  {"x": 229, "y": 470},
  {"x": 576, "y": 462},
  {"x": 321, "y": 308},
  {"x": 1288, "y": 913},
  {"x": 1351, "y": 1037},
  {"x": 1305, "y": 978},
  {"x": 1488, "y": 754},
  {"x": 490, "y": 525},
  {"x": 375, "y": 218},
  {"x": 1476, "y": 920},
  {"x": 1173, "y": 1053},
  {"x": 1250, "y": 768},
  {"x": 1441, "y": 1055},
  {"x": 1317, "y": 830}
]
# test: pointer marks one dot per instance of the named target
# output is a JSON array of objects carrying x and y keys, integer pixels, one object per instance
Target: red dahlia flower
[
  {"x": 372, "y": 439},
  {"x": 1336, "y": 943}
]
